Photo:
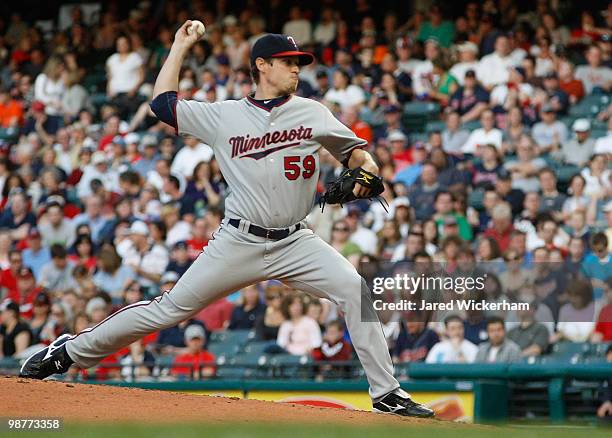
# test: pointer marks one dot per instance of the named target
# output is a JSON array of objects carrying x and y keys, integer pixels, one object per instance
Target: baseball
[{"x": 198, "y": 27}]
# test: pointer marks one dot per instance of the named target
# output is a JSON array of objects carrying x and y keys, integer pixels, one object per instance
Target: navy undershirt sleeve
[{"x": 164, "y": 107}]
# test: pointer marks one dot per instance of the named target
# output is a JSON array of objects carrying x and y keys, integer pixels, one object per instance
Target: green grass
[{"x": 318, "y": 431}]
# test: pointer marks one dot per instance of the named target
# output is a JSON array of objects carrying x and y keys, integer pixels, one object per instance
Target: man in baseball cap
[
  {"x": 279, "y": 59},
  {"x": 578, "y": 150}
]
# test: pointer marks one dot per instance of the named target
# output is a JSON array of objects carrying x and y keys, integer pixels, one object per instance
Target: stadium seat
[
  {"x": 164, "y": 361},
  {"x": 418, "y": 136},
  {"x": 235, "y": 337},
  {"x": 598, "y": 133},
  {"x": 231, "y": 372},
  {"x": 417, "y": 114},
  {"x": 590, "y": 105},
  {"x": 573, "y": 351},
  {"x": 555, "y": 360},
  {"x": 568, "y": 121},
  {"x": 246, "y": 365},
  {"x": 566, "y": 172},
  {"x": 594, "y": 360},
  {"x": 10, "y": 134},
  {"x": 288, "y": 365},
  {"x": 599, "y": 125},
  {"x": 256, "y": 347},
  {"x": 476, "y": 198},
  {"x": 599, "y": 349},
  {"x": 429, "y": 109},
  {"x": 470, "y": 126},
  {"x": 8, "y": 363},
  {"x": 223, "y": 348},
  {"x": 435, "y": 125},
  {"x": 98, "y": 99},
  {"x": 289, "y": 359},
  {"x": 253, "y": 360},
  {"x": 94, "y": 82}
]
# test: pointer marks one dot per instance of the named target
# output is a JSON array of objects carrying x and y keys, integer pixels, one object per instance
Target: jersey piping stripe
[
  {"x": 260, "y": 155},
  {"x": 175, "y": 117}
]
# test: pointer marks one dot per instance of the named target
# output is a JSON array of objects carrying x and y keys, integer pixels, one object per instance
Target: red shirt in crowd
[
  {"x": 26, "y": 307},
  {"x": 604, "y": 323},
  {"x": 216, "y": 315},
  {"x": 186, "y": 362},
  {"x": 402, "y": 159},
  {"x": 502, "y": 239},
  {"x": 362, "y": 130},
  {"x": 573, "y": 88},
  {"x": 90, "y": 263},
  {"x": 8, "y": 280},
  {"x": 9, "y": 112},
  {"x": 339, "y": 351},
  {"x": 195, "y": 246}
]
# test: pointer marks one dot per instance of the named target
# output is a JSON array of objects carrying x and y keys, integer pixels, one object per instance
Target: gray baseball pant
[{"x": 235, "y": 259}]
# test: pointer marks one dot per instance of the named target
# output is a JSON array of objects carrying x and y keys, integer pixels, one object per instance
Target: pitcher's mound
[{"x": 75, "y": 402}]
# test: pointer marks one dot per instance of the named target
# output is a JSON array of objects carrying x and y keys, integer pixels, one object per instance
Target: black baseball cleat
[
  {"x": 404, "y": 406},
  {"x": 50, "y": 360}
]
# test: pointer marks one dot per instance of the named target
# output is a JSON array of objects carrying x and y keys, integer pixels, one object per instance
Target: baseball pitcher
[{"x": 267, "y": 146}]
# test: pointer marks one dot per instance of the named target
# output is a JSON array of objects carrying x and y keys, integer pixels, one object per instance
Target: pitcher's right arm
[{"x": 165, "y": 90}]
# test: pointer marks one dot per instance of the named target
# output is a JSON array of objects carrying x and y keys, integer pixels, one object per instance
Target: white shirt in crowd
[
  {"x": 50, "y": 93},
  {"x": 74, "y": 100},
  {"x": 576, "y": 325},
  {"x": 493, "y": 69},
  {"x": 543, "y": 66},
  {"x": 408, "y": 65},
  {"x": 421, "y": 78},
  {"x": 458, "y": 70},
  {"x": 500, "y": 93},
  {"x": 534, "y": 241},
  {"x": 109, "y": 178},
  {"x": 124, "y": 74},
  {"x": 447, "y": 352},
  {"x": 299, "y": 337},
  {"x": 63, "y": 158},
  {"x": 153, "y": 261},
  {"x": 545, "y": 134},
  {"x": 350, "y": 96},
  {"x": 325, "y": 33},
  {"x": 220, "y": 93},
  {"x": 366, "y": 240},
  {"x": 480, "y": 137},
  {"x": 188, "y": 158},
  {"x": 592, "y": 77},
  {"x": 179, "y": 232},
  {"x": 300, "y": 30},
  {"x": 596, "y": 185},
  {"x": 603, "y": 145}
]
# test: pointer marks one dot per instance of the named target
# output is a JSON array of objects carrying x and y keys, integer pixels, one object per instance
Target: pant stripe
[{"x": 131, "y": 306}]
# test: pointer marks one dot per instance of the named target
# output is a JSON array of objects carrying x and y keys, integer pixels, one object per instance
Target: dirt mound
[{"x": 97, "y": 403}]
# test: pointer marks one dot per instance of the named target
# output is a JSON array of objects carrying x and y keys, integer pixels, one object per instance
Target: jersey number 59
[{"x": 293, "y": 169}]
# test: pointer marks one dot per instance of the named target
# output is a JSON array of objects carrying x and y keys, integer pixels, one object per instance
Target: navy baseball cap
[{"x": 274, "y": 45}]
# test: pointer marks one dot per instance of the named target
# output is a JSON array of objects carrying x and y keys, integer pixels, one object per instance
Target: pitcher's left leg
[{"x": 307, "y": 263}]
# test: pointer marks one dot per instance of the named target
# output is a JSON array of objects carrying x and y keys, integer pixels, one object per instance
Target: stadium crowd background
[{"x": 491, "y": 124}]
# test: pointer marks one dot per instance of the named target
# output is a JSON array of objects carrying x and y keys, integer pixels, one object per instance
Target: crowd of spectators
[{"x": 103, "y": 206}]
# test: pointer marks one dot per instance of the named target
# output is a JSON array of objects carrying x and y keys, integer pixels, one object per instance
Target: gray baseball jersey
[
  {"x": 269, "y": 159},
  {"x": 270, "y": 162}
]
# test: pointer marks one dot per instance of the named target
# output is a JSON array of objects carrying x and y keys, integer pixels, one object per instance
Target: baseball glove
[{"x": 341, "y": 190}]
